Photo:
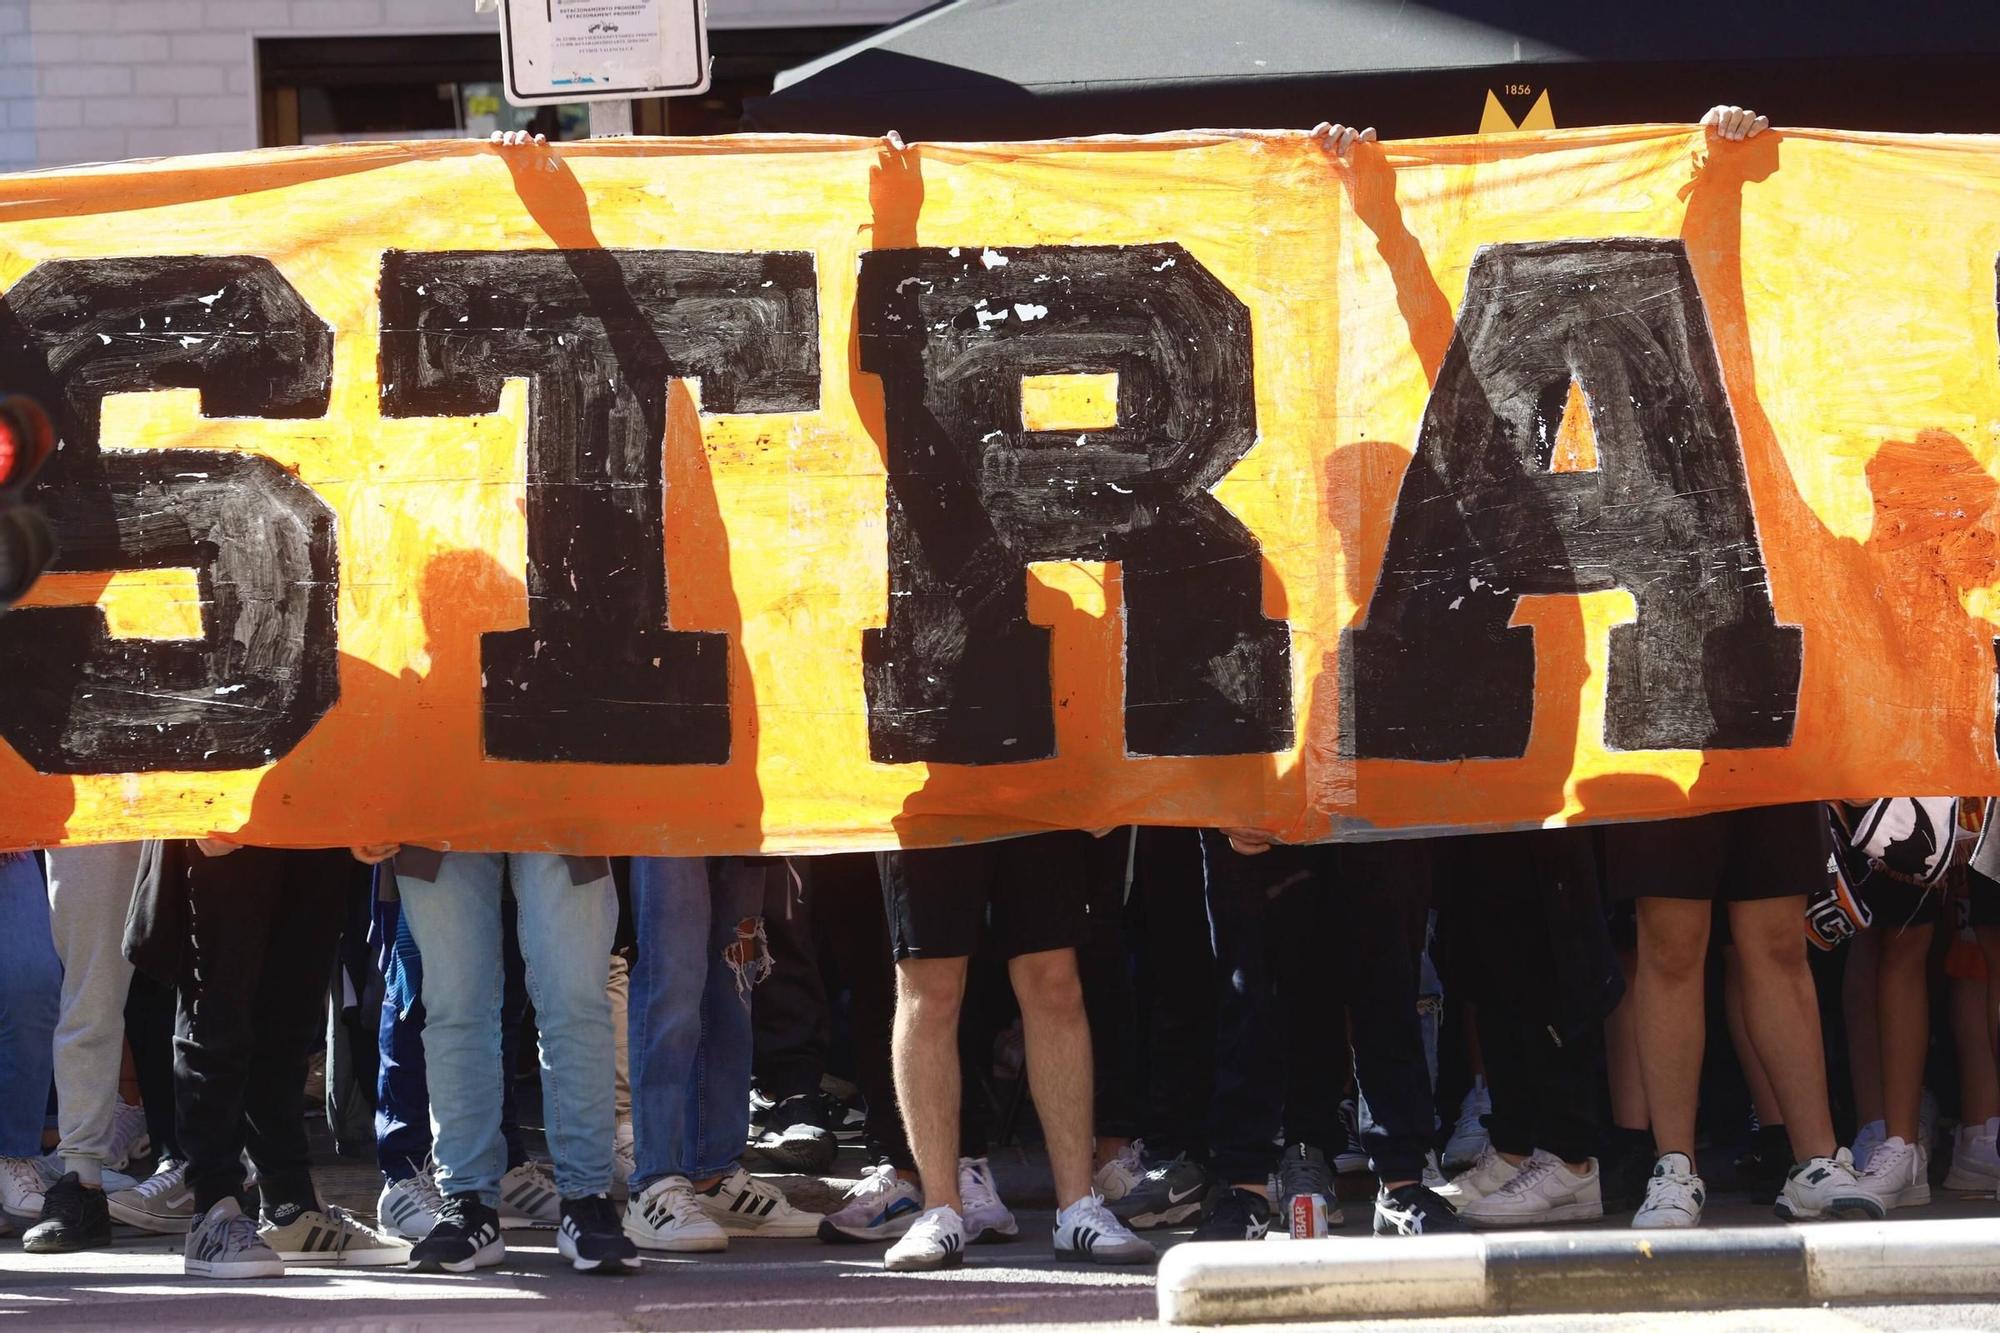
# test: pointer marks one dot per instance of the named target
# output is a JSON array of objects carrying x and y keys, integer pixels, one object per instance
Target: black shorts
[
  {"x": 1982, "y": 899},
  {"x": 1031, "y": 893},
  {"x": 1893, "y": 904},
  {"x": 1737, "y": 856}
]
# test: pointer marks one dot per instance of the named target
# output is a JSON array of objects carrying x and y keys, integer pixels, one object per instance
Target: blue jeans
[
  {"x": 30, "y": 995},
  {"x": 699, "y": 922},
  {"x": 402, "y": 1090},
  {"x": 566, "y": 933}
]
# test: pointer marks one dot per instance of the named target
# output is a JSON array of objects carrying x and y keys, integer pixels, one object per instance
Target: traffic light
[{"x": 26, "y": 545}]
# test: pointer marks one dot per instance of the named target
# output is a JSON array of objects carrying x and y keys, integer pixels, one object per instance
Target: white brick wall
[{"x": 99, "y": 80}]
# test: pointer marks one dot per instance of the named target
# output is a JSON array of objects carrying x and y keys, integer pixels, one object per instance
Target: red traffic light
[{"x": 27, "y": 438}]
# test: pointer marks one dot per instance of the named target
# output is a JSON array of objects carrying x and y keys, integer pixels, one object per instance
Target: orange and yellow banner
[{"x": 806, "y": 494}]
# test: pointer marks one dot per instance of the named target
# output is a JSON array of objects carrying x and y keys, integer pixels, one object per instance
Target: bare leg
[
  {"x": 1860, "y": 1000},
  {"x": 1762, "y": 1098},
  {"x": 924, "y": 1049},
  {"x": 1058, "y": 1040},
  {"x": 1621, "y": 1051},
  {"x": 1904, "y": 1022},
  {"x": 1781, "y": 1013},
  {"x": 1667, "y": 1013},
  {"x": 1978, "y": 1075}
]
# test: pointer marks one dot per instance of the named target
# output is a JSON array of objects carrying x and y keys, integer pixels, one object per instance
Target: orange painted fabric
[{"x": 1838, "y": 289}]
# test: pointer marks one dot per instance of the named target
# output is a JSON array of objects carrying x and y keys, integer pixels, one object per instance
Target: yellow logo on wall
[{"x": 1495, "y": 120}]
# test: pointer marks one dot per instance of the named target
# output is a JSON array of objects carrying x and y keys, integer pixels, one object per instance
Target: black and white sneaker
[
  {"x": 1087, "y": 1232},
  {"x": 1414, "y": 1210},
  {"x": 466, "y": 1236},
  {"x": 592, "y": 1236},
  {"x": 796, "y": 1137},
  {"x": 1239, "y": 1215},
  {"x": 73, "y": 1218},
  {"x": 1349, "y": 1157},
  {"x": 1167, "y": 1195}
]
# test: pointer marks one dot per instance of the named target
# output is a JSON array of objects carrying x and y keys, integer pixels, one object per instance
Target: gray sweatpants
[{"x": 90, "y": 892}]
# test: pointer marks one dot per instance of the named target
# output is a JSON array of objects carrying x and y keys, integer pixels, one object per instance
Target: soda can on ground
[{"x": 1308, "y": 1216}]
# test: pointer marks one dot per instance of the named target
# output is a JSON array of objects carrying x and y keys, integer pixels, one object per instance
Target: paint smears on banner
[{"x": 794, "y": 494}]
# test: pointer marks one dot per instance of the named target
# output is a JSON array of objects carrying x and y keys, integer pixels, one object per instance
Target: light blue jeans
[
  {"x": 30, "y": 996},
  {"x": 566, "y": 932},
  {"x": 700, "y": 928}
]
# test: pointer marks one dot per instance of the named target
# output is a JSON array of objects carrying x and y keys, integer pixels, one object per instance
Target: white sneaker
[
  {"x": 1117, "y": 1177},
  {"x": 1898, "y": 1174},
  {"x": 1488, "y": 1172},
  {"x": 624, "y": 1160},
  {"x": 332, "y": 1235},
  {"x": 23, "y": 1182},
  {"x": 1827, "y": 1187},
  {"x": 1433, "y": 1174},
  {"x": 985, "y": 1218},
  {"x": 1865, "y": 1141},
  {"x": 225, "y": 1243},
  {"x": 130, "y": 1139},
  {"x": 162, "y": 1203},
  {"x": 934, "y": 1240},
  {"x": 746, "y": 1206},
  {"x": 1675, "y": 1195},
  {"x": 665, "y": 1216},
  {"x": 529, "y": 1197},
  {"x": 1543, "y": 1191},
  {"x": 881, "y": 1205},
  {"x": 1975, "y": 1159},
  {"x": 409, "y": 1207},
  {"x": 1087, "y": 1231},
  {"x": 1468, "y": 1136}
]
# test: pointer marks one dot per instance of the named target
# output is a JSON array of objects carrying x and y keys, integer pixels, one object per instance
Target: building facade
[{"x": 101, "y": 80}]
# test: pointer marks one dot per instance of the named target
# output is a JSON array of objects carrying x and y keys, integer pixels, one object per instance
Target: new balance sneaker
[
  {"x": 1304, "y": 1170},
  {"x": 984, "y": 1217},
  {"x": 935, "y": 1240},
  {"x": 1350, "y": 1158},
  {"x": 795, "y": 1137},
  {"x": 1239, "y": 1214},
  {"x": 130, "y": 1139},
  {"x": 1167, "y": 1195},
  {"x": 1087, "y": 1232},
  {"x": 1117, "y": 1177},
  {"x": 1675, "y": 1195},
  {"x": 330, "y": 1235},
  {"x": 1542, "y": 1191},
  {"x": 225, "y": 1243},
  {"x": 1488, "y": 1172},
  {"x": 529, "y": 1197},
  {"x": 1468, "y": 1135},
  {"x": 1898, "y": 1174},
  {"x": 1975, "y": 1158},
  {"x": 1827, "y": 1187},
  {"x": 409, "y": 1207},
  {"x": 162, "y": 1203},
  {"x": 1865, "y": 1140},
  {"x": 665, "y": 1216},
  {"x": 746, "y": 1206},
  {"x": 466, "y": 1236},
  {"x": 73, "y": 1218},
  {"x": 880, "y": 1206},
  {"x": 1413, "y": 1210},
  {"x": 592, "y": 1237},
  {"x": 624, "y": 1161},
  {"x": 24, "y": 1181}
]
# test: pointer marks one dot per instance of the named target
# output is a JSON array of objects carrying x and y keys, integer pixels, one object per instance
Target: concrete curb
[{"x": 1555, "y": 1271}]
